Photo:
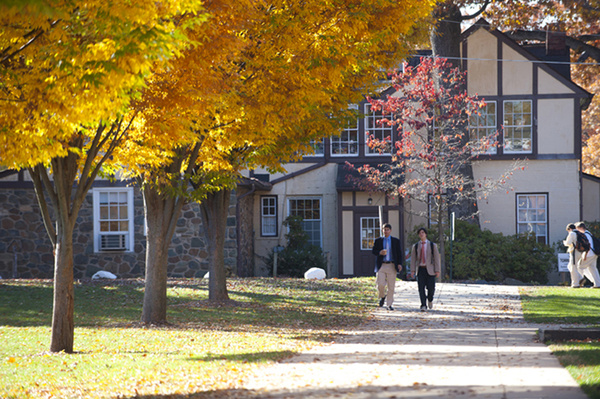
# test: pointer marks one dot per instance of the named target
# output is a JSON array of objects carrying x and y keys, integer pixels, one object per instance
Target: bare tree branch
[{"x": 574, "y": 43}]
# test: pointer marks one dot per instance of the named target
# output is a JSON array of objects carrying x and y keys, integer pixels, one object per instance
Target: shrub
[
  {"x": 491, "y": 256},
  {"x": 299, "y": 255}
]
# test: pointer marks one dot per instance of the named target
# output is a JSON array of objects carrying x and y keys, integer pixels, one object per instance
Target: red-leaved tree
[{"x": 431, "y": 114}]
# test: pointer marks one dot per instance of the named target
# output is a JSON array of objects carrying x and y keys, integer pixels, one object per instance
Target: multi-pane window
[
  {"x": 517, "y": 126},
  {"x": 532, "y": 215},
  {"x": 268, "y": 216},
  {"x": 483, "y": 125},
  {"x": 376, "y": 125},
  {"x": 369, "y": 231},
  {"x": 309, "y": 209},
  {"x": 113, "y": 219},
  {"x": 346, "y": 143}
]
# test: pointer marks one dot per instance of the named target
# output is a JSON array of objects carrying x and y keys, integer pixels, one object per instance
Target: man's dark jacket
[{"x": 397, "y": 253}]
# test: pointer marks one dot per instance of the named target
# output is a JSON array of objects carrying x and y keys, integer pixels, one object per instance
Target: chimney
[{"x": 555, "y": 42}]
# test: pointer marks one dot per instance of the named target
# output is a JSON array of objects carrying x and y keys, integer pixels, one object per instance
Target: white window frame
[
  {"x": 484, "y": 124},
  {"x": 377, "y": 130},
  {"x": 268, "y": 215},
  {"x": 127, "y": 235},
  {"x": 517, "y": 124},
  {"x": 529, "y": 215},
  {"x": 347, "y": 140},
  {"x": 312, "y": 222},
  {"x": 370, "y": 230}
]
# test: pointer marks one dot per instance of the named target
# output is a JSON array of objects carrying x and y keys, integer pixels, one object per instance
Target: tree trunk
[
  {"x": 445, "y": 36},
  {"x": 445, "y": 42},
  {"x": 162, "y": 212},
  {"x": 214, "y": 210},
  {"x": 63, "y": 326}
]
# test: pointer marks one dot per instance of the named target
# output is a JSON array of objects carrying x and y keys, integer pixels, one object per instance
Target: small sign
[{"x": 563, "y": 261}]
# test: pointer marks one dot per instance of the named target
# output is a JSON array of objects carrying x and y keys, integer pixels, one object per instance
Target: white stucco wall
[
  {"x": 558, "y": 178},
  {"x": 482, "y": 72},
  {"x": 556, "y": 126},
  {"x": 517, "y": 73},
  {"x": 316, "y": 183},
  {"x": 591, "y": 199}
]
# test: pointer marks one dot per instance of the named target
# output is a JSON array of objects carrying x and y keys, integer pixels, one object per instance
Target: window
[
  {"x": 517, "y": 127},
  {"x": 376, "y": 127},
  {"x": 532, "y": 215},
  {"x": 268, "y": 216},
  {"x": 318, "y": 147},
  {"x": 346, "y": 143},
  {"x": 309, "y": 209},
  {"x": 369, "y": 231},
  {"x": 484, "y": 125},
  {"x": 113, "y": 219}
]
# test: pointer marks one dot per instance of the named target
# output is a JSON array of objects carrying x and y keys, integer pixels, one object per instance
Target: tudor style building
[{"x": 531, "y": 101}]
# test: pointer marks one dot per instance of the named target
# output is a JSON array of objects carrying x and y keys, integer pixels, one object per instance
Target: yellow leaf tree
[
  {"x": 262, "y": 80},
  {"x": 68, "y": 72}
]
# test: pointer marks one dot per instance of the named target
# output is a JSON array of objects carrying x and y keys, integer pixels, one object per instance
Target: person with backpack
[
  {"x": 571, "y": 242},
  {"x": 587, "y": 263},
  {"x": 425, "y": 263}
]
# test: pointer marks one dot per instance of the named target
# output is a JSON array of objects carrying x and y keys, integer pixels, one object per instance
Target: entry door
[{"x": 367, "y": 229}]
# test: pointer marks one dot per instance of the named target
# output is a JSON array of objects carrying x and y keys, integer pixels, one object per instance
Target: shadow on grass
[
  {"x": 245, "y": 357},
  {"x": 286, "y": 303}
]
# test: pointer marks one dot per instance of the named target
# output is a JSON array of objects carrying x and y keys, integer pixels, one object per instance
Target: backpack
[
  {"x": 596, "y": 244},
  {"x": 432, "y": 246},
  {"x": 582, "y": 244}
]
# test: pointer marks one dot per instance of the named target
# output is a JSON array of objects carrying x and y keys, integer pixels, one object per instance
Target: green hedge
[{"x": 483, "y": 255}]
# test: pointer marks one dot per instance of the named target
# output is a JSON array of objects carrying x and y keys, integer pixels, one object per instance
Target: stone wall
[{"x": 23, "y": 238}]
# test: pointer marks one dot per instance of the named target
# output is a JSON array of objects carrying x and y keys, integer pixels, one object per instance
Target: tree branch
[
  {"x": 37, "y": 33},
  {"x": 478, "y": 13},
  {"x": 574, "y": 43},
  {"x": 36, "y": 174}
]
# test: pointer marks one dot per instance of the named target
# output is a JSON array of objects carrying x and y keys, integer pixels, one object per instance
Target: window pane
[
  {"x": 103, "y": 212},
  {"x": 532, "y": 215},
  {"x": 370, "y": 230},
  {"x": 310, "y": 211},
  {"x": 517, "y": 126}
]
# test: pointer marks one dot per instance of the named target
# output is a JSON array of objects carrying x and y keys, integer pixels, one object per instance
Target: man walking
[
  {"x": 426, "y": 263},
  {"x": 574, "y": 255},
  {"x": 587, "y": 263},
  {"x": 389, "y": 262}
]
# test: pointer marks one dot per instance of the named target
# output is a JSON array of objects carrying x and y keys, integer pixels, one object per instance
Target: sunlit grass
[
  {"x": 204, "y": 348},
  {"x": 565, "y": 305}
]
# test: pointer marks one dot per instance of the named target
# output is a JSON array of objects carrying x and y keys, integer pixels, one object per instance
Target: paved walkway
[{"x": 474, "y": 343}]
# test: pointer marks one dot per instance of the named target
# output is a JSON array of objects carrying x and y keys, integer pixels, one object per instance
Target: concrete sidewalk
[{"x": 474, "y": 343}]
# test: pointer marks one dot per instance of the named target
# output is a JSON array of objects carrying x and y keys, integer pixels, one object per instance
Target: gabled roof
[{"x": 585, "y": 96}]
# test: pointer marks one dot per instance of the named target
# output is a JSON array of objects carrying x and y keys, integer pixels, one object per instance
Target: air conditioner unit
[{"x": 113, "y": 242}]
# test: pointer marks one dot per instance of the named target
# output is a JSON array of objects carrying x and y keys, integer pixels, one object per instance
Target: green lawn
[
  {"x": 565, "y": 305},
  {"x": 205, "y": 348}
]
